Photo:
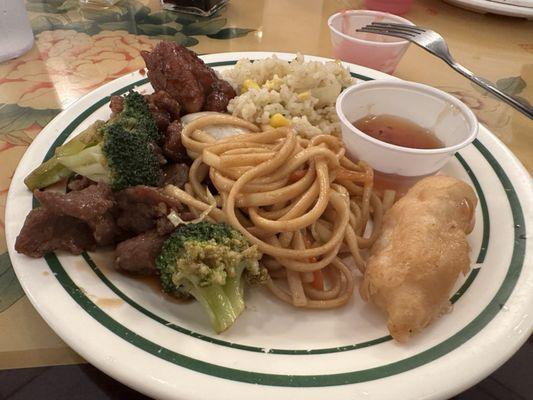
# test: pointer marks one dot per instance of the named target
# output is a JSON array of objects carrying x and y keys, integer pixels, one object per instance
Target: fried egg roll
[{"x": 420, "y": 253}]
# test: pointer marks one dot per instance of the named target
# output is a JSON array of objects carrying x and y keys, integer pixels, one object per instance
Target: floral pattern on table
[
  {"x": 489, "y": 110},
  {"x": 77, "y": 50},
  {"x": 132, "y": 16},
  {"x": 10, "y": 290},
  {"x": 71, "y": 61},
  {"x": 80, "y": 48},
  {"x": 492, "y": 46}
]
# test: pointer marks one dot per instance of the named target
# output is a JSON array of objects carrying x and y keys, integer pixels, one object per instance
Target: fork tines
[
  {"x": 392, "y": 29},
  {"x": 399, "y": 26}
]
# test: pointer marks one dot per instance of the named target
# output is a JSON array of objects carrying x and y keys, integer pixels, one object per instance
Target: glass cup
[
  {"x": 205, "y": 8},
  {"x": 16, "y": 35}
]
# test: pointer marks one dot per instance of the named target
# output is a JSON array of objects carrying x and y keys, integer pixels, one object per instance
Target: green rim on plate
[{"x": 476, "y": 325}]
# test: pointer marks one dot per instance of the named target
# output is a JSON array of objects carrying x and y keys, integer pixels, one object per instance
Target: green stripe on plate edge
[
  {"x": 373, "y": 342},
  {"x": 72, "y": 126},
  {"x": 232, "y": 62},
  {"x": 482, "y": 204},
  {"x": 335, "y": 379},
  {"x": 462, "y": 290},
  {"x": 213, "y": 340}
]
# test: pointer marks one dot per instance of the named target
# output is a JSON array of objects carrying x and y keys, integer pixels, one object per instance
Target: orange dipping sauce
[
  {"x": 400, "y": 184},
  {"x": 398, "y": 131}
]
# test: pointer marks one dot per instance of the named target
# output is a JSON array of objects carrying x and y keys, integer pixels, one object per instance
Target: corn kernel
[
  {"x": 278, "y": 120},
  {"x": 249, "y": 84},
  {"x": 273, "y": 83},
  {"x": 304, "y": 95}
]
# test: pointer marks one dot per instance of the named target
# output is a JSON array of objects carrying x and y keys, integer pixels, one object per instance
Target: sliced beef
[
  {"x": 219, "y": 97},
  {"x": 164, "y": 227},
  {"x": 86, "y": 204},
  {"x": 79, "y": 183},
  {"x": 117, "y": 104},
  {"x": 105, "y": 229},
  {"x": 139, "y": 207},
  {"x": 136, "y": 217},
  {"x": 92, "y": 205},
  {"x": 173, "y": 149},
  {"x": 187, "y": 216},
  {"x": 44, "y": 232},
  {"x": 138, "y": 254},
  {"x": 176, "y": 174},
  {"x": 178, "y": 71},
  {"x": 164, "y": 108},
  {"x": 159, "y": 153}
]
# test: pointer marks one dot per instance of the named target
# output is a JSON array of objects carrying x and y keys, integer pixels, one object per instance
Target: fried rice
[{"x": 304, "y": 92}]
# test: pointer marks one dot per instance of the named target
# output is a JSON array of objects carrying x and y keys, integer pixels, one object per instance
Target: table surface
[{"x": 77, "y": 50}]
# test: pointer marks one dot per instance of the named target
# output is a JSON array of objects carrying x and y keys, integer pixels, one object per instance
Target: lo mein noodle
[{"x": 301, "y": 201}]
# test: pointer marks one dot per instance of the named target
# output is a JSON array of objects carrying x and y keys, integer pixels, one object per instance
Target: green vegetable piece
[
  {"x": 52, "y": 171},
  {"x": 90, "y": 162},
  {"x": 119, "y": 152},
  {"x": 136, "y": 117},
  {"x": 122, "y": 160},
  {"x": 209, "y": 261},
  {"x": 47, "y": 174},
  {"x": 131, "y": 158}
]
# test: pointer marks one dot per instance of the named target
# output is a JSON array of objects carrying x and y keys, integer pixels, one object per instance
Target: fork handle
[{"x": 524, "y": 109}]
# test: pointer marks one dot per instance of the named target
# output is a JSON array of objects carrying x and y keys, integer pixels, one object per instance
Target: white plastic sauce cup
[
  {"x": 368, "y": 49},
  {"x": 452, "y": 122}
]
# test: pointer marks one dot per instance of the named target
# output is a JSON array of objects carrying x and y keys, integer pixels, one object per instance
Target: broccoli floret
[
  {"x": 209, "y": 261},
  {"x": 122, "y": 160},
  {"x": 131, "y": 159},
  {"x": 120, "y": 152},
  {"x": 137, "y": 117}
]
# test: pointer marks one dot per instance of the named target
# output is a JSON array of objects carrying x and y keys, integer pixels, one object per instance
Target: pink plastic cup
[{"x": 367, "y": 49}]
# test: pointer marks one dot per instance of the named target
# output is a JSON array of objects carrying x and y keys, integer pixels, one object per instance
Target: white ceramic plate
[
  {"x": 519, "y": 3},
  {"x": 167, "y": 350},
  {"x": 519, "y": 8}
]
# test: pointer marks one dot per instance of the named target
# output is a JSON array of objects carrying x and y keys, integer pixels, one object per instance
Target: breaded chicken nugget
[{"x": 417, "y": 259}]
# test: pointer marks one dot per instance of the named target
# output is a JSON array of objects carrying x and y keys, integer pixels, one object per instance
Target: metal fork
[{"x": 435, "y": 44}]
